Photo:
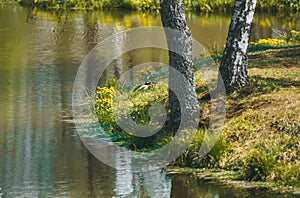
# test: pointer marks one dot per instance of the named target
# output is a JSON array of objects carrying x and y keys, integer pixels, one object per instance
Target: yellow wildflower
[
  {"x": 295, "y": 32},
  {"x": 271, "y": 41}
]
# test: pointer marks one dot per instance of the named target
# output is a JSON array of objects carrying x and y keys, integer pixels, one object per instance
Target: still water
[{"x": 41, "y": 154}]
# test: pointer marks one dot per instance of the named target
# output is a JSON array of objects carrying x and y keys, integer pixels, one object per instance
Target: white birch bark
[{"x": 234, "y": 62}]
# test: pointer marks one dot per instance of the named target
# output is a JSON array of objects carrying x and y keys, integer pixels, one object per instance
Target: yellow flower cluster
[
  {"x": 295, "y": 32},
  {"x": 145, "y": 4},
  {"x": 104, "y": 91},
  {"x": 104, "y": 103},
  {"x": 293, "y": 36},
  {"x": 269, "y": 41}
]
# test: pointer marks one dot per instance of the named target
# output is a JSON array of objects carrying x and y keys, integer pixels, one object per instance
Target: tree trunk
[
  {"x": 173, "y": 16},
  {"x": 234, "y": 62}
]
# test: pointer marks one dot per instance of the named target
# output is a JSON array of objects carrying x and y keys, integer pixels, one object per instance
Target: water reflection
[
  {"x": 145, "y": 184},
  {"x": 40, "y": 153}
]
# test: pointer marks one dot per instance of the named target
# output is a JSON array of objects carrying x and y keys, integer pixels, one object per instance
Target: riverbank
[
  {"x": 190, "y": 5},
  {"x": 260, "y": 139},
  {"x": 259, "y": 147},
  {"x": 231, "y": 179}
]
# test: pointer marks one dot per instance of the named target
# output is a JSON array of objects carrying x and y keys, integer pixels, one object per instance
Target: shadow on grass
[
  {"x": 279, "y": 57},
  {"x": 264, "y": 47},
  {"x": 243, "y": 99}
]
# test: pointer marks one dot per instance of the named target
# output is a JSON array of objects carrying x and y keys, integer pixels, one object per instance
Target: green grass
[
  {"x": 131, "y": 102},
  {"x": 261, "y": 136},
  {"x": 263, "y": 122},
  {"x": 260, "y": 140}
]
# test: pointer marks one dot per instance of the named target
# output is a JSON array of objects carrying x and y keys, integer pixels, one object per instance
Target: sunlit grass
[
  {"x": 261, "y": 135},
  {"x": 263, "y": 123}
]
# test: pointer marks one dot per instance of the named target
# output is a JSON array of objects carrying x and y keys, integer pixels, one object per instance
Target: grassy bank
[
  {"x": 191, "y": 5},
  {"x": 260, "y": 140}
]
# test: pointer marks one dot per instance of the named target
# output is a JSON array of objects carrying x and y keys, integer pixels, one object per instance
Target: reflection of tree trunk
[
  {"x": 118, "y": 63},
  {"x": 90, "y": 32},
  {"x": 173, "y": 16},
  {"x": 130, "y": 66},
  {"x": 235, "y": 57},
  {"x": 99, "y": 176},
  {"x": 156, "y": 184},
  {"x": 124, "y": 181}
]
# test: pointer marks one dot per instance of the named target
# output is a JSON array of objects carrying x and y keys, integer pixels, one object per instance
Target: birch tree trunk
[
  {"x": 234, "y": 62},
  {"x": 173, "y": 16}
]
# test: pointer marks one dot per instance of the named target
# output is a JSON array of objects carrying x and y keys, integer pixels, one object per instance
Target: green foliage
[
  {"x": 3, "y": 2},
  {"x": 148, "y": 4},
  {"x": 258, "y": 166},
  {"x": 274, "y": 5},
  {"x": 293, "y": 36},
  {"x": 208, "y": 6},
  {"x": 138, "y": 104},
  {"x": 80, "y": 4},
  {"x": 191, "y": 157},
  {"x": 192, "y": 5},
  {"x": 287, "y": 174},
  {"x": 274, "y": 160},
  {"x": 145, "y": 144}
]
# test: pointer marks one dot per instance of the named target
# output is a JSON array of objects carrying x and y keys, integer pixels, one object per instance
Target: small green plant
[
  {"x": 292, "y": 36},
  {"x": 258, "y": 166},
  {"x": 287, "y": 174},
  {"x": 192, "y": 158},
  {"x": 212, "y": 159}
]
